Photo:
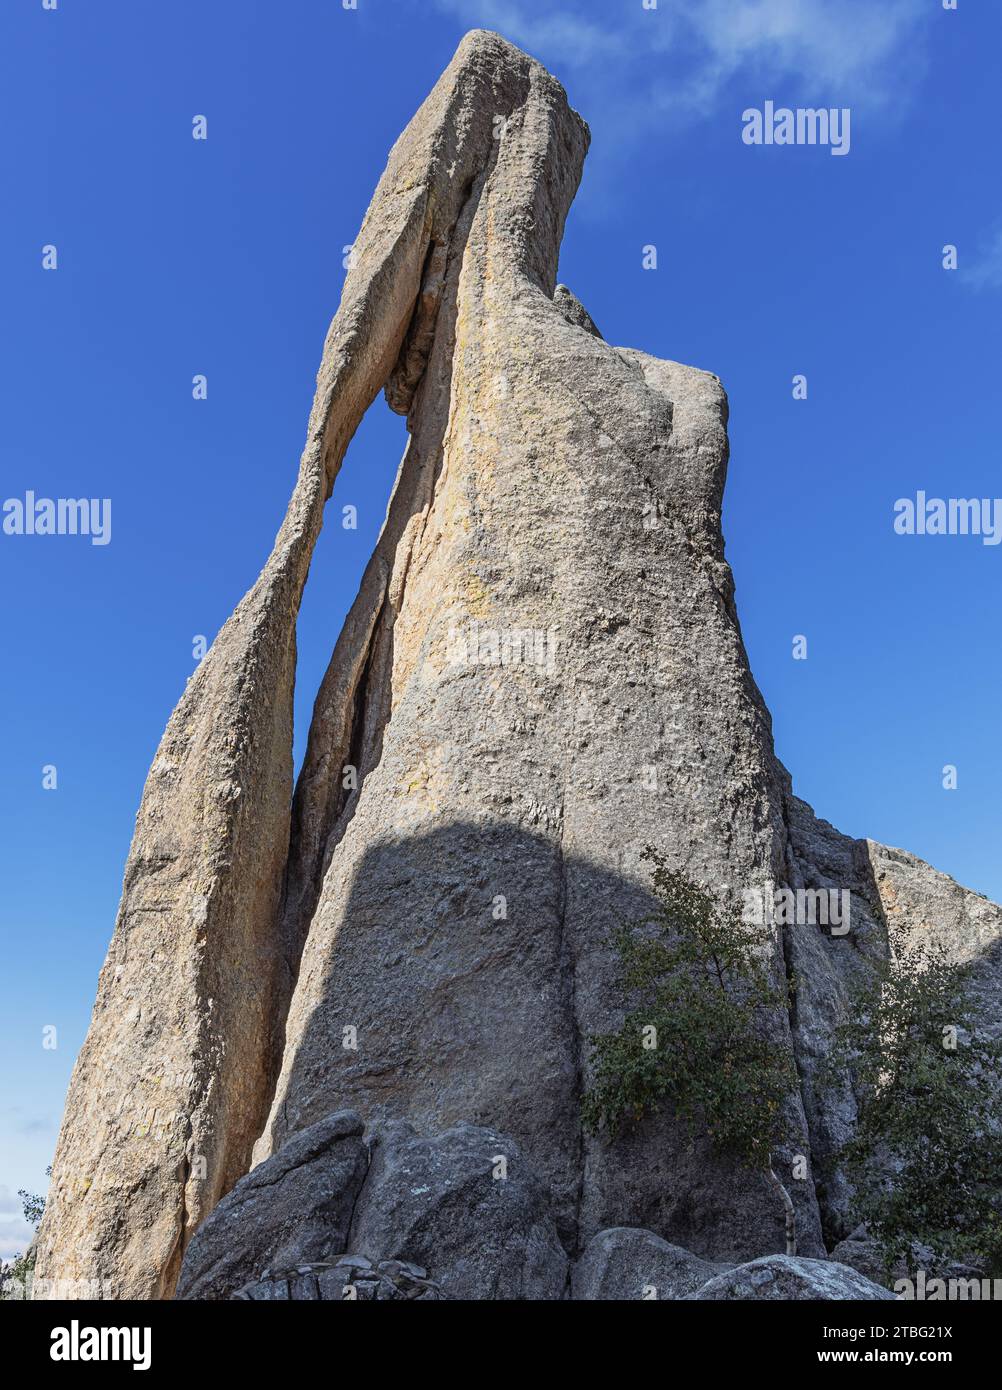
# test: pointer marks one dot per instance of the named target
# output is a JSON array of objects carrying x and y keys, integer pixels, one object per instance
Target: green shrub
[
  {"x": 926, "y": 1155},
  {"x": 700, "y": 1033}
]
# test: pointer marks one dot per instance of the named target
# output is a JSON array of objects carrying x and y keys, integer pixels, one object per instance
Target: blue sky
[{"x": 223, "y": 257}]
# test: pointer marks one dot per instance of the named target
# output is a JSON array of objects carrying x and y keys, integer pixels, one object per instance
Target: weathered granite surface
[
  {"x": 785, "y": 1278},
  {"x": 468, "y": 1205},
  {"x": 465, "y": 1203},
  {"x": 624, "y": 1264},
  {"x": 295, "y": 1208},
  {"x": 350, "y": 1279},
  {"x": 542, "y": 673}
]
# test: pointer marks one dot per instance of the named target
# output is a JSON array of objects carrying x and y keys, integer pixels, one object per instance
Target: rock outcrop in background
[{"x": 543, "y": 672}]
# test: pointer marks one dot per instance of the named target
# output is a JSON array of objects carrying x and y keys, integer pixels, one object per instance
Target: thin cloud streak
[
  {"x": 858, "y": 52},
  {"x": 986, "y": 271}
]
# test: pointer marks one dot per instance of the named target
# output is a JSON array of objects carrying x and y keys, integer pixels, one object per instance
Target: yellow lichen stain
[
  {"x": 476, "y": 596},
  {"x": 422, "y": 786}
]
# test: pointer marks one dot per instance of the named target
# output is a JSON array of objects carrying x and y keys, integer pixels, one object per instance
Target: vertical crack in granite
[
  {"x": 186, "y": 1019},
  {"x": 548, "y": 618},
  {"x": 568, "y": 981}
]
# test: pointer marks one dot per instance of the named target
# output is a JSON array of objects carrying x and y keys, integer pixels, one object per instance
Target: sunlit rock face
[{"x": 542, "y": 674}]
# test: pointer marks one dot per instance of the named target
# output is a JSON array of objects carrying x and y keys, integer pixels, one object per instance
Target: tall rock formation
[{"x": 542, "y": 673}]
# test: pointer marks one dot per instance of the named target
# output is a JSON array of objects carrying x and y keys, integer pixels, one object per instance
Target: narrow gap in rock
[{"x": 364, "y": 483}]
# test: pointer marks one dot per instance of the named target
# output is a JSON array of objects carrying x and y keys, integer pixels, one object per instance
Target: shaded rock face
[
  {"x": 784, "y": 1278},
  {"x": 862, "y": 1253},
  {"x": 624, "y": 1264},
  {"x": 296, "y": 1207},
  {"x": 351, "y": 1279},
  {"x": 464, "y": 1203},
  {"x": 889, "y": 889},
  {"x": 542, "y": 673}
]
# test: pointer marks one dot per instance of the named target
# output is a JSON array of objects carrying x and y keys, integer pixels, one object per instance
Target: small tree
[
  {"x": 926, "y": 1155},
  {"x": 32, "y": 1205},
  {"x": 17, "y": 1272},
  {"x": 701, "y": 1033}
]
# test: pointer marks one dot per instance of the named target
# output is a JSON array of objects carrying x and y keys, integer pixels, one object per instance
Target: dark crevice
[
  {"x": 804, "y": 1086},
  {"x": 568, "y": 976},
  {"x": 352, "y": 708},
  {"x": 172, "y": 1267},
  {"x": 356, "y": 754},
  {"x": 415, "y": 352}
]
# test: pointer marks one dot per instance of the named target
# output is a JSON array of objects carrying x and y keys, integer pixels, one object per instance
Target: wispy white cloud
[
  {"x": 576, "y": 40},
  {"x": 856, "y": 50},
  {"x": 15, "y": 1233},
  {"x": 678, "y": 60},
  {"x": 38, "y": 1125},
  {"x": 985, "y": 271},
  {"x": 15, "y": 1237}
]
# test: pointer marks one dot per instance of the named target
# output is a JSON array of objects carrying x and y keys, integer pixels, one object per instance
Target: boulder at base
[
  {"x": 291, "y": 1210},
  {"x": 626, "y": 1262},
  {"x": 785, "y": 1277},
  {"x": 465, "y": 1205}
]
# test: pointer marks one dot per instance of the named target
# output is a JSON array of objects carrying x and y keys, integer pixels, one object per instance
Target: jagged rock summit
[{"x": 542, "y": 673}]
